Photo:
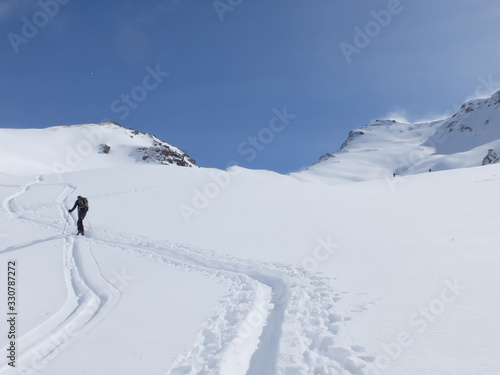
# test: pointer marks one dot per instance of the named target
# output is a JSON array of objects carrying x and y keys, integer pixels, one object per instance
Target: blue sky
[{"x": 265, "y": 84}]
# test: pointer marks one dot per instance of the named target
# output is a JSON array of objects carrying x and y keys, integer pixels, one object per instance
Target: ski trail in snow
[
  {"x": 225, "y": 344},
  {"x": 8, "y": 203},
  {"x": 291, "y": 312},
  {"x": 275, "y": 319},
  {"x": 90, "y": 296}
]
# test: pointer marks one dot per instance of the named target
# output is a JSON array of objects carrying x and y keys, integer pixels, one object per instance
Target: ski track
[
  {"x": 85, "y": 305},
  {"x": 275, "y": 319}
]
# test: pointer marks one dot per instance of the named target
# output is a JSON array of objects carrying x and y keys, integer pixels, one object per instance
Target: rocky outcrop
[
  {"x": 163, "y": 154},
  {"x": 103, "y": 149},
  {"x": 155, "y": 151},
  {"x": 491, "y": 157},
  {"x": 353, "y": 134}
]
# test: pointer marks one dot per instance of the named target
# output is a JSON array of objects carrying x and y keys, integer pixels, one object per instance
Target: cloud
[
  {"x": 402, "y": 116},
  {"x": 6, "y": 8},
  {"x": 139, "y": 16},
  {"x": 132, "y": 44},
  {"x": 15, "y": 7},
  {"x": 487, "y": 86},
  {"x": 399, "y": 115},
  {"x": 432, "y": 117},
  {"x": 167, "y": 5}
]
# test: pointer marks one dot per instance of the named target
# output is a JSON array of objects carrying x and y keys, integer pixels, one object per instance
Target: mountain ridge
[
  {"x": 65, "y": 148},
  {"x": 384, "y": 148}
]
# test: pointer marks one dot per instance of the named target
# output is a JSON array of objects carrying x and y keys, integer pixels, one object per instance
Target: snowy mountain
[
  {"x": 197, "y": 271},
  {"x": 76, "y": 147},
  {"x": 471, "y": 137}
]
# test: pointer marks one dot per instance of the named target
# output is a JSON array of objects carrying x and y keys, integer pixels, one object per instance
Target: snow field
[
  {"x": 256, "y": 312},
  {"x": 253, "y": 304},
  {"x": 90, "y": 296}
]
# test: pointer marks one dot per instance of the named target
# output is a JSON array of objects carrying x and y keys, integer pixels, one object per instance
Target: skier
[{"x": 83, "y": 206}]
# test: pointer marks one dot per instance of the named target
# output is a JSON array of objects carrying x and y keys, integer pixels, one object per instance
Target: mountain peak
[
  {"x": 67, "y": 148},
  {"x": 386, "y": 147}
]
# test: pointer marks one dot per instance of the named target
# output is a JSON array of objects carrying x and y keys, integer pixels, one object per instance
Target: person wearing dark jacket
[{"x": 83, "y": 207}]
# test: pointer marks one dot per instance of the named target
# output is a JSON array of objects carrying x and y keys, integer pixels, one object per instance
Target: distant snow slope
[
  {"x": 385, "y": 147},
  {"x": 76, "y": 147}
]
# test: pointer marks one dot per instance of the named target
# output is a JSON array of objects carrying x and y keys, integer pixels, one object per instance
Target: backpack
[{"x": 85, "y": 203}]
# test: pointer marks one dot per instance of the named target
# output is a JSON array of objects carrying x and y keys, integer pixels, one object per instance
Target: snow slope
[
  {"x": 203, "y": 271},
  {"x": 234, "y": 289},
  {"x": 385, "y": 147},
  {"x": 76, "y": 147}
]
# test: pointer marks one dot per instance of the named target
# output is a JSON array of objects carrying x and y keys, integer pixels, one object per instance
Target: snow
[
  {"x": 62, "y": 149},
  {"x": 384, "y": 147},
  {"x": 203, "y": 271}
]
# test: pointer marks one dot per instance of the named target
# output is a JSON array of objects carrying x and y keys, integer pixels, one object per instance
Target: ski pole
[
  {"x": 90, "y": 223},
  {"x": 66, "y": 224}
]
